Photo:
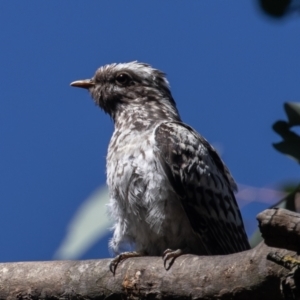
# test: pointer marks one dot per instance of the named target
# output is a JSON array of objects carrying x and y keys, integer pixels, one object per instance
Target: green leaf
[
  {"x": 291, "y": 140},
  {"x": 289, "y": 147},
  {"x": 292, "y": 110},
  {"x": 283, "y": 129},
  {"x": 88, "y": 225}
]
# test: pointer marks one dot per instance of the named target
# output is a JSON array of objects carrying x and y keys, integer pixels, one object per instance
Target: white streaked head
[{"x": 119, "y": 86}]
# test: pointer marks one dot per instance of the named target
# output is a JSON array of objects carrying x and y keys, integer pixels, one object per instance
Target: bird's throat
[{"x": 141, "y": 117}]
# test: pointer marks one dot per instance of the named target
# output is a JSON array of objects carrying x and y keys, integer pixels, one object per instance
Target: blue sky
[{"x": 230, "y": 69}]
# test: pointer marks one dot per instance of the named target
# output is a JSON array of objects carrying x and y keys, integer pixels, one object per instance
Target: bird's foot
[
  {"x": 114, "y": 263},
  {"x": 170, "y": 255}
]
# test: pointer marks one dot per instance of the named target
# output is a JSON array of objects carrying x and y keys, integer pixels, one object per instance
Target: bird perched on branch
[{"x": 170, "y": 193}]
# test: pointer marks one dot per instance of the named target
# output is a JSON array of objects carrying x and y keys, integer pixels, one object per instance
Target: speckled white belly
[{"x": 146, "y": 210}]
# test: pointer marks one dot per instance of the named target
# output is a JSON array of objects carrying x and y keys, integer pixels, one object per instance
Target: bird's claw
[
  {"x": 115, "y": 262},
  {"x": 170, "y": 255}
]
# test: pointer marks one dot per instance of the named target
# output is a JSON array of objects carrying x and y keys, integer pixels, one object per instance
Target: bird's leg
[
  {"x": 170, "y": 255},
  {"x": 114, "y": 263}
]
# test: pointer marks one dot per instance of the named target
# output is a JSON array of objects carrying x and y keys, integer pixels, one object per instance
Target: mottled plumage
[{"x": 168, "y": 187}]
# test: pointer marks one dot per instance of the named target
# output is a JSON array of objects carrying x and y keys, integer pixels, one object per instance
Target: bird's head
[{"x": 130, "y": 86}]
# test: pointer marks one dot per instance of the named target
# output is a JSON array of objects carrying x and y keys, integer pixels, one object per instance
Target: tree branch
[
  {"x": 245, "y": 275},
  {"x": 280, "y": 228}
]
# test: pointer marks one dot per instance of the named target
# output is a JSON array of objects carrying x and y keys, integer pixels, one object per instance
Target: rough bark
[
  {"x": 245, "y": 275},
  {"x": 280, "y": 228}
]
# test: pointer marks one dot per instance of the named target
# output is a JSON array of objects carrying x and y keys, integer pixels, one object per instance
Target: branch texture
[
  {"x": 244, "y": 275},
  {"x": 280, "y": 228}
]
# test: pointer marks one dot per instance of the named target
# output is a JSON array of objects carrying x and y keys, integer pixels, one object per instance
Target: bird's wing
[{"x": 204, "y": 185}]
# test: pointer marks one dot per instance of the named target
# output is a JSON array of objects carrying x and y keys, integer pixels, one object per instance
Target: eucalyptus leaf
[
  {"x": 289, "y": 147},
  {"x": 282, "y": 128},
  {"x": 291, "y": 140},
  {"x": 292, "y": 110}
]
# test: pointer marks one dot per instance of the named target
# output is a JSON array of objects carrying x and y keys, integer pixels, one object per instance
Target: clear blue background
[{"x": 230, "y": 68}]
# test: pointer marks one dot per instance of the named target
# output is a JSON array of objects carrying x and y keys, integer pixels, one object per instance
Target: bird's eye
[{"x": 123, "y": 79}]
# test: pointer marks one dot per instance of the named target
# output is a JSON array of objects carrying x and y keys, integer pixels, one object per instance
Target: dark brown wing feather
[{"x": 204, "y": 186}]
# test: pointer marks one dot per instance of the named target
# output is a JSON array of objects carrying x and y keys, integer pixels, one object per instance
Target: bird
[{"x": 170, "y": 192}]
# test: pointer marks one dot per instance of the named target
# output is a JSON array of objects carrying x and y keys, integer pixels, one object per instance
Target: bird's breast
[
  {"x": 130, "y": 160},
  {"x": 138, "y": 186}
]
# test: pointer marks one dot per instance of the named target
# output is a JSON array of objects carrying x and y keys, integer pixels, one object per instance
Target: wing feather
[{"x": 204, "y": 186}]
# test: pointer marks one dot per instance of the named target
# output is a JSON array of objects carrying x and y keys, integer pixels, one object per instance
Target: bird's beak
[{"x": 85, "y": 84}]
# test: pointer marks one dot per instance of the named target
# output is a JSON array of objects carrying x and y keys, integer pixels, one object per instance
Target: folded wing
[{"x": 204, "y": 186}]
